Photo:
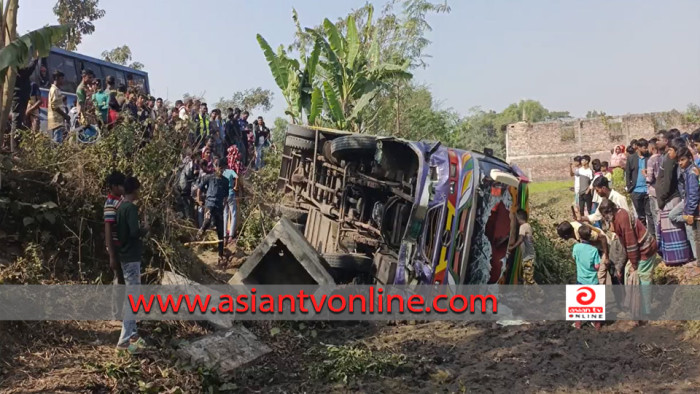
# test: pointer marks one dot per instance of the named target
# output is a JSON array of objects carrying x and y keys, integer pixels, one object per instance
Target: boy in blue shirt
[{"x": 587, "y": 263}]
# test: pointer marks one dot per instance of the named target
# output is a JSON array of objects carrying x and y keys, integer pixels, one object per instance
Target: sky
[{"x": 619, "y": 56}]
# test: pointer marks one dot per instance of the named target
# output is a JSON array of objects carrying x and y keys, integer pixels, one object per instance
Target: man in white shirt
[
  {"x": 602, "y": 187},
  {"x": 573, "y": 168}
]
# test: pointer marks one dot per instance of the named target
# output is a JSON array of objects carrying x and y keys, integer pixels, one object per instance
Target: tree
[
  {"x": 79, "y": 14},
  {"x": 249, "y": 99},
  {"x": 296, "y": 84},
  {"x": 594, "y": 114},
  {"x": 399, "y": 34},
  {"x": 121, "y": 55}
]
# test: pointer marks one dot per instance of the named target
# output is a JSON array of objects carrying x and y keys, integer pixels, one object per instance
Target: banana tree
[
  {"x": 351, "y": 71},
  {"x": 297, "y": 84},
  {"x": 17, "y": 53}
]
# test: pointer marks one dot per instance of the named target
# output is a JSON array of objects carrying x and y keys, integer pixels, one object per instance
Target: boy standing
[
  {"x": 115, "y": 185},
  {"x": 605, "y": 169},
  {"x": 130, "y": 231},
  {"x": 587, "y": 261},
  {"x": 651, "y": 172},
  {"x": 527, "y": 244},
  {"x": 573, "y": 168}
]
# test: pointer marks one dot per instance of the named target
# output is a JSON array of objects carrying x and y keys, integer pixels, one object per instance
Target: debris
[
  {"x": 224, "y": 351},
  {"x": 220, "y": 321},
  {"x": 284, "y": 257}
]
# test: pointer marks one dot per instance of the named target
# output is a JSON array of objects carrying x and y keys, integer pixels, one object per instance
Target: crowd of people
[
  {"x": 216, "y": 152},
  {"x": 621, "y": 243}
]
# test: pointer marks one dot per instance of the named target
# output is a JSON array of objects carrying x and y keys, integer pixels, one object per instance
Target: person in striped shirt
[{"x": 115, "y": 186}]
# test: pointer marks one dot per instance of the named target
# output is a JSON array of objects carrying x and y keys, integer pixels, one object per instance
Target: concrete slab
[
  {"x": 224, "y": 351},
  {"x": 284, "y": 257},
  {"x": 220, "y": 322}
]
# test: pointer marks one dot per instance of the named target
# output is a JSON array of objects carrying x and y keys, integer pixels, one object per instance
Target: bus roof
[{"x": 98, "y": 61}]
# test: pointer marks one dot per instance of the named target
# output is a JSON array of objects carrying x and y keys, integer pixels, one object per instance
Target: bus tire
[{"x": 353, "y": 146}]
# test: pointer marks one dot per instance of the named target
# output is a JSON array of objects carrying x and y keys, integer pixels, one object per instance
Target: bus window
[
  {"x": 67, "y": 66},
  {"x": 95, "y": 69},
  {"x": 41, "y": 74},
  {"x": 139, "y": 82},
  {"x": 118, "y": 75},
  {"x": 430, "y": 232}
]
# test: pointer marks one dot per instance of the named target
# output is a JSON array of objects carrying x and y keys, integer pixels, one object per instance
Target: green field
[{"x": 550, "y": 186}]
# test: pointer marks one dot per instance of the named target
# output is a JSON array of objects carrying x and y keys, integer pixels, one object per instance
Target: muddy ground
[{"x": 39, "y": 357}]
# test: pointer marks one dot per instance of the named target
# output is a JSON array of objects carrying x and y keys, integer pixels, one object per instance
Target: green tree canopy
[
  {"x": 121, "y": 55},
  {"x": 80, "y": 14},
  {"x": 249, "y": 99}
]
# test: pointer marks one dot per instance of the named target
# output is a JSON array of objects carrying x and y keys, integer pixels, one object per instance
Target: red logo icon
[{"x": 585, "y": 296}]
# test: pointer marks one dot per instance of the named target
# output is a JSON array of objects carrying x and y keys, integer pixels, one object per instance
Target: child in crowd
[
  {"x": 115, "y": 185},
  {"x": 129, "y": 233},
  {"x": 687, "y": 211},
  {"x": 573, "y": 168},
  {"x": 217, "y": 145},
  {"x": 605, "y": 169},
  {"x": 597, "y": 172},
  {"x": 587, "y": 261},
  {"x": 527, "y": 245}
]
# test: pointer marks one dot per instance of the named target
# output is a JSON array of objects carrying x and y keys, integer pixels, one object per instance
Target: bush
[{"x": 74, "y": 174}]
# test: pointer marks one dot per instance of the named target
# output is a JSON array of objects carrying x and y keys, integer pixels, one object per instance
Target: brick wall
[{"x": 544, "y": 150}]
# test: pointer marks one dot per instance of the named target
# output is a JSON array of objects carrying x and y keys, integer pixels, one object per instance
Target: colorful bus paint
[
  {"x": 466, "y": 196},
  {"x": 447, "y": 244}
]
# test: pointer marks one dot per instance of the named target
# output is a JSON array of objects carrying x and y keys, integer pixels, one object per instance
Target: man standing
[
  {"x": 57, "y": 116},
  {"x": 21, "y": 94},
  {"x": 81, "y": 92},
  {"x": 636, "y": 183},
  {"x": 262, "y": 140},
  {"x": 32, "y": 120},
  {"x": 202, "y": 126},
  {"x": 160, "y": 110}
]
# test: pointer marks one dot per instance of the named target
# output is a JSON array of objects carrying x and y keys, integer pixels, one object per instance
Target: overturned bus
[{"x": 387, "y": 210}]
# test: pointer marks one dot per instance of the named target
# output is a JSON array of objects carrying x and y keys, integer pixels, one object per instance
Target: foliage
[
  {"x": 296, "y": 84},
  {"x": 121, "y": 55},
  {"x": 255, "y": 203},
  {"x": 692, "y": 114},
  {"x": 76, "y": 173},
  {"x": 595, "y": 114},
  {"x": 27, "y": 269},
  {"x": 399, "y": 30},
  {"x": 346, "y": 362},
  {"x": 353, "y": 73},
  {"x": 80, "y": 15},
  {"x": 350, "y": 77},
  {"x": 249, "y": 99},
  {"x": 19, "y": 51},
  {"x": 278, "y": 131}
]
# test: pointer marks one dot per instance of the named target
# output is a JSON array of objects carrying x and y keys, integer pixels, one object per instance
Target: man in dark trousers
[
  {"x": 636, "y": 184},
  {"x": 21, "y": 95}
]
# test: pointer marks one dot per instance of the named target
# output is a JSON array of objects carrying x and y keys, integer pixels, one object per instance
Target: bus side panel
[{"x": 447, "y": 246}]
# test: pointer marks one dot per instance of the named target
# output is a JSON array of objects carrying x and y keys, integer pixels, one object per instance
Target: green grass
[{"x": 550, "y": 186}]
